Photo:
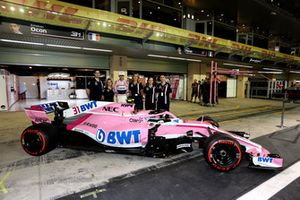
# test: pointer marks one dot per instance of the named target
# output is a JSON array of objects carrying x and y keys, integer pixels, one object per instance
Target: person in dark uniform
[
  {"x": 149, "y": 92},
  {"x": 108, "y": 92},
  {"x": 136, "y": 92},
  {"x": 200, "y": 91},
  {"x": 205, "y": 92},
  {"x": 95, "y": 88},
  {"x": 163, "y": 91},
  {"x": 194, "y": 91}
]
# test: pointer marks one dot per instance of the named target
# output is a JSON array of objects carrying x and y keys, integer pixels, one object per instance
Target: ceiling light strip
[
  {"x": 22, "y": 42},
  {"x": 173, "y": 58}
]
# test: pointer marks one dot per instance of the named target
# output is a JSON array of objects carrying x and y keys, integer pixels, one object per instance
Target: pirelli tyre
[
  {"x": 209, "y": 120},
  {"x": 222, "y": 152},
  {"x": 39, "y": 139}
]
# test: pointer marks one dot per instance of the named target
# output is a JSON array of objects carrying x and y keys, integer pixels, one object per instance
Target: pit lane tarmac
[{"x": 194, "y": 179}]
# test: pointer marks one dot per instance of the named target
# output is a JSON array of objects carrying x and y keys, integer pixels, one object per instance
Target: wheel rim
[
  {"x": 225, "y": 154},
  {"x": 33, "y": 142}
]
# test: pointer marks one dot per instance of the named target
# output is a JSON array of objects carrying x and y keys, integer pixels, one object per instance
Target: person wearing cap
[
  {"x": 95, "y": 87},
  {"x": 121, "y": 88}
]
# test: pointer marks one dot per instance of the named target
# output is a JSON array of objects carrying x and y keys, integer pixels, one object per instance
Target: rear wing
[{"x": 39, "y": 113}]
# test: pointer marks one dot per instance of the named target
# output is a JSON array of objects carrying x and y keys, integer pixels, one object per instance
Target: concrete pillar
[
  {"x": 117, "y": 64},
  {"x": 196, "y": 71},
  {"x": 241, "y": 86}
]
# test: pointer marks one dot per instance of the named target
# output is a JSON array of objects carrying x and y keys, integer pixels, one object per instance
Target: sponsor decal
[
  {"x": 40, "y": 119},
  {"x": 84, "y": 107},
  {"x": 186, "y": 145},
  {"x": 90, "y": 124},
  {"x": 127, "y": 105},
  {"x": 265, "y": 159},
  {"x": 49, "y": 107},
  {"x": 118, "y": 137},
  {"x": 254, "y": 60},
  {"x": 110, "y": 109},
  {"x": 136, "y": 120}
]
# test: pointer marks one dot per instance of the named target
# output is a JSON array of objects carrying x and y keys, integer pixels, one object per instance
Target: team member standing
[
  {"x": 149, "y": 92},
  {"x": 121, "y": 89},
  {"x": 163, "y": 91},
  {"x": 108, "y": 92},
  {"x": 194, "y": 91},
  {"x": 136, "y": 92},
  {"x": 95, "y": 88}
]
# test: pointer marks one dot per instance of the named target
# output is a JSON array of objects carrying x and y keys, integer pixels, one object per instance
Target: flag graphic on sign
[{"x": 94, "y": 36}]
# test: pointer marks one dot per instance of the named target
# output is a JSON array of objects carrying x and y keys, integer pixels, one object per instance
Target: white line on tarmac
[{"x": 270, "y": 187}]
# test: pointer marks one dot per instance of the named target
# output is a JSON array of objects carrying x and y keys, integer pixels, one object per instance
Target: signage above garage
[{"x": 69, "y": 15}]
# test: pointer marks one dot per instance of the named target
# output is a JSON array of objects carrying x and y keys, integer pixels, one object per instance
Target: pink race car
[{"x": 114, "y": 127}]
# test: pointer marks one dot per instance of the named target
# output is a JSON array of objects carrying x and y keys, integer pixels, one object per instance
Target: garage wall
[
  {"x": 11, "y": 56},
  {"x": 156, "y": 66}
]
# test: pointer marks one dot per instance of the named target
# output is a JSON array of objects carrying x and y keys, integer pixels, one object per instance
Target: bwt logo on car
[
  {"x": 84, "y": 107},
  {"x": 118, "y": 137},
  {"x": 265, "y": 159}
]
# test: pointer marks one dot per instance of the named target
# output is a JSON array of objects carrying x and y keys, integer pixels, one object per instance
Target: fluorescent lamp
[
  {"x": 157, "y": 56},
  {"x": 193, "y": 60},
  {"x": 295, "y": 72},
  {"x": 237, "y": 65},
  {"x": 21, "y": 42},
  {"x": 272, "y": 69},
  {"x": 63, "y": 46},
  {"x": 269, "y": 72},
  {"x": 176, "y": 58},
  {"x": 93, "y": 49}
]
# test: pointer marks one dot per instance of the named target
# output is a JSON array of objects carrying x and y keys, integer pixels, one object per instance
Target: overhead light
[
  {"x": 29, "y": 11},
  {"x": 21, "y": 42},
  {"x": 273, "y": 13},
  {"x": 179, "y": 3},
  {"x": 272, "y": 69},
  {"x": 295, "y": 72},
  {"x": 63, "y": 46},
  {"x": 104, "y": 24},
  {"x": 157, "y": 34},
  {"x": 157, "y": 56},
  {"x": 173, "y": 58},
  {"x": 192, "y": 16},
  {"x": 4, "y": 7},
  {"x": 30, "y": 67},
  {"x": 193, "y": 60},
  {"x": 176, "y": 58},
  {"x": 237, "y": 65},
  {"x": 94, "y": 49},
  {"x": 150, "y": 12},
  {"x": 158, "y": 8},
  {"x": 222, "y": 15},
  {"x": 22, "y": 10},
  {"x": 12, "y": 8},
  {"x": 188, "y": 15},
  {"x": 207, "y": 15},
  {"x": 269, "y": 72},
  {"x": 202, "y": 11}
]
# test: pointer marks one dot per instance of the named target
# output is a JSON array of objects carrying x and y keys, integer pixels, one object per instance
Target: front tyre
[
  {"x": 39, "y": 139},
  {"x": 222, "y": 152}
]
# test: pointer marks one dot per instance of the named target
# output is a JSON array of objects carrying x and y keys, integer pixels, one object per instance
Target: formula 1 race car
[{"x": 114, "y": 127}]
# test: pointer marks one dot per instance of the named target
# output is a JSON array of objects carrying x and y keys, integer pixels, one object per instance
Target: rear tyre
[
  {"x": 222, "y": 152},
  {"x": 209, "y": 120},
  {"x": 39, "y": 139}
]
